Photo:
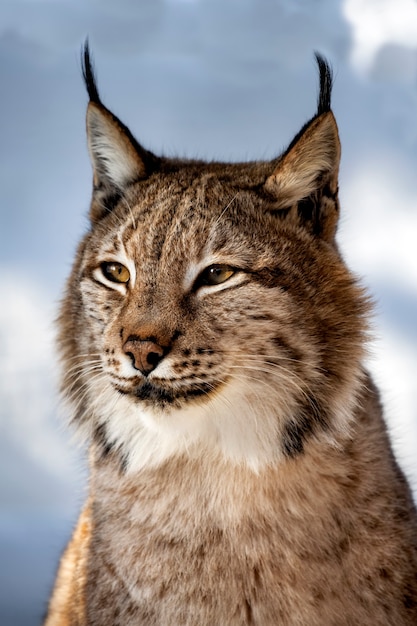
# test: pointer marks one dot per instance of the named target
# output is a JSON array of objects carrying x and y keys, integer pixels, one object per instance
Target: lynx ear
[
  {"x": 116, "y": 156},
  {"x": 305, "y": 178},
  {"x": 315, "y": 155}
]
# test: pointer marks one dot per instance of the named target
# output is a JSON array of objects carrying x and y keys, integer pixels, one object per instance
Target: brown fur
[{"x": 240, "y": 467}]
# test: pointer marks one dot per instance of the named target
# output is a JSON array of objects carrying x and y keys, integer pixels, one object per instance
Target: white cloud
[
  {"x": 377, "y": 23},
  {"x": 29, "y": 406},
  {"x": 380, "y": 224},
  {"x": 378, "y": 233},
  {"x": 394, "y": 365}
]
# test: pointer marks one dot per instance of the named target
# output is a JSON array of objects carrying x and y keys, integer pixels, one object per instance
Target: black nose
[{"x": 145, "y": 354}]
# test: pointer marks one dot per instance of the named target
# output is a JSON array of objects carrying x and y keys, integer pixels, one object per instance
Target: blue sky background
[{"x": 217, "y": 79}]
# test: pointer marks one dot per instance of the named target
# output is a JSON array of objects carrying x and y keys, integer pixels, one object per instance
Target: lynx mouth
[{"x": 153, "y": 393}]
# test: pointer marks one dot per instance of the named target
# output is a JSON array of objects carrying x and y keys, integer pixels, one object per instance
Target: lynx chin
[{"x": 212, "y": 346}]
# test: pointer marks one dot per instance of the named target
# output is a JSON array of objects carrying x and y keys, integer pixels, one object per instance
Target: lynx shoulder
[{"x": 212, "y": 344}]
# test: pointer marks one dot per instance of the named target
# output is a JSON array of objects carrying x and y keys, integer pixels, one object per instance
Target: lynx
[{"x": 213, "y": 343}]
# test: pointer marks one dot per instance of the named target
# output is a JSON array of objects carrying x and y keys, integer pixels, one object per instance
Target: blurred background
[{"x": 216, "y": 79}]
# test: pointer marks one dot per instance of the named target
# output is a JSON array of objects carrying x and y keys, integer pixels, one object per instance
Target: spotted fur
[{"x": 212, "y": 344}]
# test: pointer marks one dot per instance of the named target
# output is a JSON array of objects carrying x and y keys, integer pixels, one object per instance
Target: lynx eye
[
  {"x": 215, "y": 275},
  {"x": 116, "y": 272}
]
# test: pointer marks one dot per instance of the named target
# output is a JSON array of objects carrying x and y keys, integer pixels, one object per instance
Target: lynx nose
[{"x": 145, "y": 354}]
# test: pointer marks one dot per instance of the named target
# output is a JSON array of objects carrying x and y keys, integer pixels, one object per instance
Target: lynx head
[{"x": 209, "y": 310}]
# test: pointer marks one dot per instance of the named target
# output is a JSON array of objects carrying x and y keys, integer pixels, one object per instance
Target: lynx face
[{"x": 209, "y": 310}]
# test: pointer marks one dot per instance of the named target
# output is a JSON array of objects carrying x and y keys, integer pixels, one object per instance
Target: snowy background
[{"x": 224, "y": 79}]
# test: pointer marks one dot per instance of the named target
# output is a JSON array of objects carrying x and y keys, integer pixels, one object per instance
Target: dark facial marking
[
  {"x": 101, "y": 441},
  {"x": 309, "y": 419}
]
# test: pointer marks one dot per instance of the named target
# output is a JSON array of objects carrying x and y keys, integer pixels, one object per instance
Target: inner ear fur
[
  {"x": 305, "y": 178},
  {"x": 114, "y": 153}
]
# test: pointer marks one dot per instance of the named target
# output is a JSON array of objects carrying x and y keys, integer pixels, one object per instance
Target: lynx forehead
[{"x": 212, "y": 343}]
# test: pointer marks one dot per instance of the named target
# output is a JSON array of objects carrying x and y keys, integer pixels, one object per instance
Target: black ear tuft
[
  {"x": 326, "y": 84},
  {"x": 87, "y": 68}
]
